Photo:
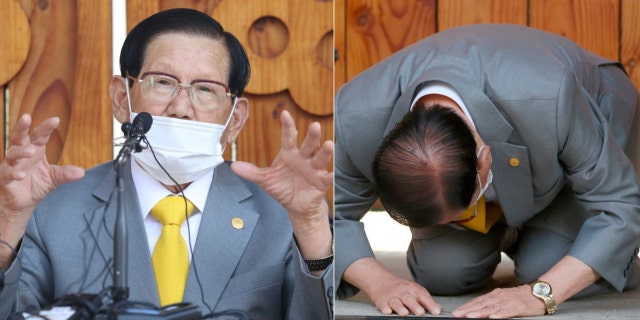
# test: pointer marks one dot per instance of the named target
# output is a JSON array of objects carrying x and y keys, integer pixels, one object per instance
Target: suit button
[{"x": 514, "y": 162}]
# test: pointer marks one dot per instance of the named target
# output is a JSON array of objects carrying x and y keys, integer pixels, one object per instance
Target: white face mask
[
  {"x": 187, "y": 149},
  {"x": 489, "y": 180}
]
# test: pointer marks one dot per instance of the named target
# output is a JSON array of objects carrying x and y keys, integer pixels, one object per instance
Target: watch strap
[
  {"x": 319, "y": 264},
  {"x": 550, "y": 304}
]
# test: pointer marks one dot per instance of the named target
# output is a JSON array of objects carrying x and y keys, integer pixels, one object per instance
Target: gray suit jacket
[
  {"x": 68, "y": 248},
  {"x": 563, "y": 112}
]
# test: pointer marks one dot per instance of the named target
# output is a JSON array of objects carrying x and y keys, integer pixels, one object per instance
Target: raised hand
[
  {"x": 298, "y": 179},
  {"x": 26, "y": 177}
]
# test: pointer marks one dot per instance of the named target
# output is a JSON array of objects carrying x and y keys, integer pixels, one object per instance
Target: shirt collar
[
  {"x": 150, "y": 191},
  {"x": 447, "y": 91}
]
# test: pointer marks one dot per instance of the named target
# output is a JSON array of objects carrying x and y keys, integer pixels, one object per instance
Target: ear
[
  {"x": 118, "y": 94},
  {"x": 237, "y": 121},
  {"x": 484, "y": 163}
]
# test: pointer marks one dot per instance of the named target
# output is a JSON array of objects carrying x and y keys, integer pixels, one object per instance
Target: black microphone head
[
  {"x": 142, "y": 122},
  {"x": 126, "y": 128}
]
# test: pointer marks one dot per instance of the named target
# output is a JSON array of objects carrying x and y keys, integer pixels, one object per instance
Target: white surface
[{"x": 385, "y": 234}]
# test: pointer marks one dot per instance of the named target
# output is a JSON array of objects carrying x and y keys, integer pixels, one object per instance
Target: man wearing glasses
[
  {"x": 237, "y": 241},
  {"x": 490, "y": 138}
]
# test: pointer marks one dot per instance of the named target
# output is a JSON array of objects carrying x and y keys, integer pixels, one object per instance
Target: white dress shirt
[{"x": 150, "y": 191}]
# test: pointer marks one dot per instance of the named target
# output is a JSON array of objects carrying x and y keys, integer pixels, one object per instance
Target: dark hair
[
  {"x": 426, "y": 166},
  {"x": 187, "y": 21}
]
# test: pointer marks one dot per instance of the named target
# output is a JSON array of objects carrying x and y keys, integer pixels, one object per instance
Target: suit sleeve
[
  {"x": 309, "y": 296},
  {"x": 354, "y": 196},
  {"x": 27, "y": 281},
  {"x": 603, "y": 181}
]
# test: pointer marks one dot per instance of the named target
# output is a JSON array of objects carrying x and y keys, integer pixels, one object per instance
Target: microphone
[{"x": 134, "y": 132}]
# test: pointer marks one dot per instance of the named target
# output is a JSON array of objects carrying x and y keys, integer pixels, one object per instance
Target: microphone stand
[
  {"x": 120, "y": 291},
  {"x": 134, "y": 134}
]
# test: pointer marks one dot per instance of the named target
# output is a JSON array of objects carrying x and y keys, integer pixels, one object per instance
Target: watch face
[{"x": 541, "y": 289}]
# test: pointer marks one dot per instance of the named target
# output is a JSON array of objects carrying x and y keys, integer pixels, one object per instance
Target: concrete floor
[{"x": 392, "y": 254}]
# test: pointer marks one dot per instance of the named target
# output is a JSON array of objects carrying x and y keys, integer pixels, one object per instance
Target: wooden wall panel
[
  {"x": 90, "y": 130},
  {"x": 340, "y": 45},
  {"x": 15, "y": 43},
  {"x": 66, "y": 75},
  {"x": 630, "y": 39},
  {"x": 377, "y": 28},
  {"x": 593, "y": 24},
  {"x": 15, "y": 40},
  {"x": 455, "y": 13}
]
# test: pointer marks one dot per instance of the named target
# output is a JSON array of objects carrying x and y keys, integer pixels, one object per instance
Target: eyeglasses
[{"x": 206, "y": 95}]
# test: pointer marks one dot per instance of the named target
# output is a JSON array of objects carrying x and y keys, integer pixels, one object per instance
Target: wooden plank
[
  {"x": 339, "y": 27},
  {"x": 593, "y": 24},
  {"x": 43, "y": 88},
  {"x": 375, "y": 29},
  {"x": 453, "y": 13},
  {"x": 630, "y": 39},
  {"x": 137, "y": 10},
  {"x": 310, "y": 77},
  {"x": 90, "y": 132},
  {"x": 4, "y": 138},
  {"x": 58, "y": 70},
  {"x": 15, "y": 40},
  {"x": 261, "y": 27},
  {"x": 286, "y": 41}
]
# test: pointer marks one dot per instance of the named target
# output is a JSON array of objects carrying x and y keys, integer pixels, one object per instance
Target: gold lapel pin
[{"x": 237, "y": 223}]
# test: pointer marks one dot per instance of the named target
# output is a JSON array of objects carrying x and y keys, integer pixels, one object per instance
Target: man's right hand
[
  {"x": 26, "y": 178},
  {"x": 388, "y": 292}
]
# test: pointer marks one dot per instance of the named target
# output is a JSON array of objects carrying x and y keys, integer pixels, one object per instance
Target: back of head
[
  {"x": 190, "y": 22},
  {"x": 426, "y": 166}
]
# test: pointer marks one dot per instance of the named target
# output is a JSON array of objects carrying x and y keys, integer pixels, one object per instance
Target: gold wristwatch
[{"x": 542, "y": 291}]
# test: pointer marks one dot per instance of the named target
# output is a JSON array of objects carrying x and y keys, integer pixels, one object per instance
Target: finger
[
  {"x": 385, "y": 308},
  {"x": 489, "y": 310},
  {"x": 323, "y": 156},
  {"x": 470, "y": 306},
  {"x": 42, "y": 132},
  {"x": 414, "y": 306},
  {"x": 327, "y": 181},
  {"x": 20, "y": 134},
  {"x": 398, "y": 307},
  {"x": 248, "y": 171},
  {"x": 8, "y": 174},
  {"x": 63, "y": 174},
  {"x": 481, "y": 306},
  {"x": 431, "y": 305},
  {"x": 311, "y": 141},
  {"x": 17, "y": 153},
  {"x": 289, "y": 131}
]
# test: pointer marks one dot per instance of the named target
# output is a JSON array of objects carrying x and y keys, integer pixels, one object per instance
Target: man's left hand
[
  {"x": 502, "y": 303},
  {"x": 299, "y": 180}
]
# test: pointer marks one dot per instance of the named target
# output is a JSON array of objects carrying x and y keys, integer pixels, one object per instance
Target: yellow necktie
[
  {"x": 170, "y": 256},
  {"x": 488, "y": 214}
]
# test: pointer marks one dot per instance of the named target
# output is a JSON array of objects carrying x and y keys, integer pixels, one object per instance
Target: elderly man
[
  {"x": 483, "y": 139},
  {"x": 226, "y": 237}
]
